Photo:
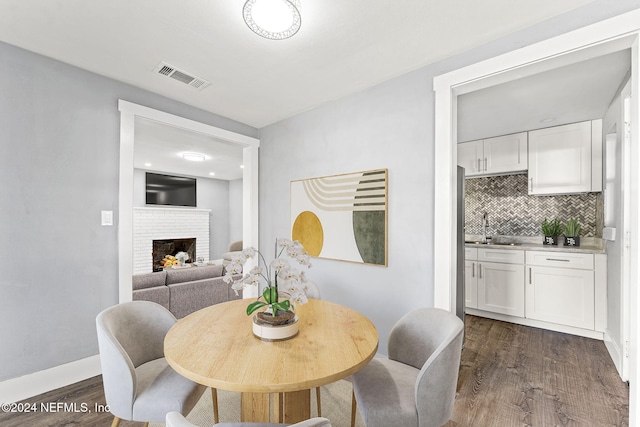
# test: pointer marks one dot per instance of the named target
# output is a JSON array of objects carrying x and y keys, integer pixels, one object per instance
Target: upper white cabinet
[
  {"x": 566, "y": 159},
  {"x": 494, "y": 156}
]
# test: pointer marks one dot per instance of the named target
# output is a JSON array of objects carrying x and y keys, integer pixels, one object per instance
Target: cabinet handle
[
  {"x": 479, "y": 271},
  {"x": 478, "y": 165},
  {"x": 529, "y": 275},
  {"x": 473, "y": 269},
  {"x": 558, "y": 259},
  {"x": 485, "y": 164},
  {"x": 530, "y": 184}
]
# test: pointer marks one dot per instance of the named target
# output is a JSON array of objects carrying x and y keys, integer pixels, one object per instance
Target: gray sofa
[{"x": 183, "y": 291}]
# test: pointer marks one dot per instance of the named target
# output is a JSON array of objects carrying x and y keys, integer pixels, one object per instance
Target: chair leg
[
  {"x": 318, "y": 401},
  {"x": 353, "y": 410},
  {"x": 214, "y": 397},
  {"x": 116, "y": 422}
]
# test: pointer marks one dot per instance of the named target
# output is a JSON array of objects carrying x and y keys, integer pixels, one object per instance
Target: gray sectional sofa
[{"x": 183, "y": 291}]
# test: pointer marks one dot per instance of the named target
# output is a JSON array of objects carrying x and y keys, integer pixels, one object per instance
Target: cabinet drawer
[
  {"x": 560, "y": 259},
  {"x": 470, "y": 253},
  {"x": 501, "y": 255}
]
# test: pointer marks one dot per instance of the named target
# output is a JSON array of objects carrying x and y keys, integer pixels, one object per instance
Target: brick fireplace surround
[{"x": 152, "y": 223}]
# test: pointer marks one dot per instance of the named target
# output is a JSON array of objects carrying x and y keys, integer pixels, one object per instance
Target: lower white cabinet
[
  {"x": 560, "y": 295},
  {"x": 494, "y": 280},
  {"x": 561, "y": 288},
  {"x": 470, "y": 284},
  {"x": 556, "y": 290},
  {"x": 501, "y": 288}
]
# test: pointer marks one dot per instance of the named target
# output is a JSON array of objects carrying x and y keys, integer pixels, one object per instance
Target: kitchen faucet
[{"x": 485, "y": 224}]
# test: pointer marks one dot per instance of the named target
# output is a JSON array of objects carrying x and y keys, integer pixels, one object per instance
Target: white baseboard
[
  {"x": 21, "y": 388},
  {"x": 614, "y": 352}
]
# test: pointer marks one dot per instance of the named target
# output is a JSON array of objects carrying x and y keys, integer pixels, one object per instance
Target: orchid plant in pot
[{"x": 284, "y": 283}]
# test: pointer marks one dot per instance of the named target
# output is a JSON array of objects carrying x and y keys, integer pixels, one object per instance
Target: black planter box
[
  {"x": 572, "y": 241},
  {"x": 550, "y": 240}
]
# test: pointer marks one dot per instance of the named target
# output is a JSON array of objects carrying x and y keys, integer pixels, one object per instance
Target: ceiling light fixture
[
  {"x": 272, "y": 19},
  {"x": 212, "y": 173},
  {"x": 194, "y": 157}
]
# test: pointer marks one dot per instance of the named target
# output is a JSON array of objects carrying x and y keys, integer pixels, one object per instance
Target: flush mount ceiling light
[
  {"x": 194, "y": 157},
  {"x": 272, "y": 19}
]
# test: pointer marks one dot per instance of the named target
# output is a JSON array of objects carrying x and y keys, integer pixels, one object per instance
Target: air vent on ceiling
[{"x": 176, "y": 74}]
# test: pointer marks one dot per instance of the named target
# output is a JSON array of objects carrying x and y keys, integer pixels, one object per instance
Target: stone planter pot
[{"x": 281, "y": 327}]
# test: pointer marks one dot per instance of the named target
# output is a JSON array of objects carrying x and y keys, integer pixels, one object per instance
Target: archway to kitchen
[
  {"x": 599, "y": 39},
  {"x": 129, "y": 112}
]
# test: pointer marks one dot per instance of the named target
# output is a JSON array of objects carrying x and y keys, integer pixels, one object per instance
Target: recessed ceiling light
[
  {"x": 194, "y": 157},
  {"x": 547, "y": 120},
  {"x": 147, "y": 164},
  {"x": 212, "y": 173},
  {"x": 241, "y": 166}
]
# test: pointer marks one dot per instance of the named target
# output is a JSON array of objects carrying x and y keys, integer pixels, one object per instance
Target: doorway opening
[
  {"x": 129, "y": 114},
  {"x": 609, "y": 36}
]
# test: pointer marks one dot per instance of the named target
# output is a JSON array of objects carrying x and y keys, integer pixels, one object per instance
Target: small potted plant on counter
[
  {"x": 551, "y": 230},
  {"x": 571, "y": 231}
]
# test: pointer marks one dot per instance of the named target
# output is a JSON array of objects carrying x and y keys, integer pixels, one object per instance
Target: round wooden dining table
[{"x": 216, "y": 347}]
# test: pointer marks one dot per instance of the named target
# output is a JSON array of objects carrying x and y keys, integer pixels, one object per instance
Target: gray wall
[
  {"x": 235, "y": 210},
  {"x": 213, "y": 194},
  {"x": 387, "y": 126},
  {"x": 59, "y": 138}
]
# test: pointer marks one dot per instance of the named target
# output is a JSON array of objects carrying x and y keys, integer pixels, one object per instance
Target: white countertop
[{"x": 589, "y": 245}]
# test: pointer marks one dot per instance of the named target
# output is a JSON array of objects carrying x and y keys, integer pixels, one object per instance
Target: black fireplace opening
[{"x": 162, "y": 248}]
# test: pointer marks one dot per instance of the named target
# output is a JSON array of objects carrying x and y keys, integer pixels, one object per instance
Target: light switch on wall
[{"x": 107, "y": 217}]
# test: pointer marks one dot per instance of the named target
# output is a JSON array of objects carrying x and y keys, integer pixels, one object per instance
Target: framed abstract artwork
[{"x": 342, "y": 217}]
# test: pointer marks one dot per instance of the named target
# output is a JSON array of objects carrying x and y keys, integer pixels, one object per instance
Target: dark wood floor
[
  {"x": 514, "y": 375},
  {"x": 510, "y": 375}
]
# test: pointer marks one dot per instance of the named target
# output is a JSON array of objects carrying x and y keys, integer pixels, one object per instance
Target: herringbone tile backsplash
[{"x": 512, "y": 212}]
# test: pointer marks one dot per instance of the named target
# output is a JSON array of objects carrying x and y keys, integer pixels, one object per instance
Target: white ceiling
[
  {"x": 161, "y": 146},
  {"x": 341, "y": 48},
  {"x": 569, "y": 94}
]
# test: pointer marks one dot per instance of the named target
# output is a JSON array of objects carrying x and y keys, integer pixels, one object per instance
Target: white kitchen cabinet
[
  {"x": 494, "y": 280},
  {"x": 566, "y": 159},
  {"x": 501, "y": 288},
  {"x": 470, "y": 284},
  {"x": 494, "y": 156},
  {"x": 560, "y": 295},
  {"x": 560, "y": 288},
  {"x": 471, "y": 277},
  {"x": 471, "y": 157}
]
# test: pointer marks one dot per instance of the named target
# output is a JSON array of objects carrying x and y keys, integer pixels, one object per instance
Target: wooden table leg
[
  {"x": 254, "y": 407},
  {"x": 278, "y": 407},
  {"x": 297, "y": 406}
]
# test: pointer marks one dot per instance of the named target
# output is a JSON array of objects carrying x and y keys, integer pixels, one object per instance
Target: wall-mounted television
[{"x": 170, "y": 190}]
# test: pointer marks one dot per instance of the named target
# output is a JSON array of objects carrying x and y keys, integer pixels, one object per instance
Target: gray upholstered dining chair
[
  {"x": 416, "y": 384},
  {"x": 139, "y": 385},
  {"x": 175, "y": 419}
]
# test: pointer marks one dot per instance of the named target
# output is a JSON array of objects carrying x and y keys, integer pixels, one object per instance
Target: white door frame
[
  {"x": 594, "y": 40},
  {"x": 128, "y": 112}
]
